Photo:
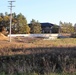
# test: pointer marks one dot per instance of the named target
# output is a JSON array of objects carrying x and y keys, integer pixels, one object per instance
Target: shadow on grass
[{"x": 41, "y": 60}]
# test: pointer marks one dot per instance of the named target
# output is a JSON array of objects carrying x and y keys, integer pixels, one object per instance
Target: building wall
[
  {"x": 46, "y": 29},
  {"x": 34, "y": 35}
]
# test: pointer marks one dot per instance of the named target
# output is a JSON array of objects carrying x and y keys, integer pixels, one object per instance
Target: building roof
[{"x": 46, "y": 24}]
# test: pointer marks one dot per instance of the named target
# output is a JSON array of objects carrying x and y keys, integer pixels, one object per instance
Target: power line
[{"x": 10, "y": 2}]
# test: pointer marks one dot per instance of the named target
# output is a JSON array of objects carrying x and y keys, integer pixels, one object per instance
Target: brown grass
[
  {"x": 3, "y": 37},
  {"x": 59, "y": 53},
  {"x": 20, "y": 45}
]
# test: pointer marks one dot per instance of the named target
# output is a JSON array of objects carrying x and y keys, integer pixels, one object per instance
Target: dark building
[{"x": 46, "y": 27}]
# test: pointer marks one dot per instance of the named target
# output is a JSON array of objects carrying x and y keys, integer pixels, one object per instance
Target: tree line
[
  {"x": 67, "y": 27},
  {"x": 20, "y": 26}
]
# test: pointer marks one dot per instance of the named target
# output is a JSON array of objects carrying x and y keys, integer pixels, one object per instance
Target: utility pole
[{"x": 10, "y": 2}]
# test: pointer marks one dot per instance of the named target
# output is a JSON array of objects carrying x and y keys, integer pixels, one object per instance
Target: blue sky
[{"x": 51, "y": 11}]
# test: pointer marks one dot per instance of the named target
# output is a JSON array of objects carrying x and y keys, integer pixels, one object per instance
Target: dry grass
[
  {"x": 3, "y": 37},
  {"x": 36, "y": 51},
  {"x": 21, "y": 44},
  {"x": 38, "y": 42}
]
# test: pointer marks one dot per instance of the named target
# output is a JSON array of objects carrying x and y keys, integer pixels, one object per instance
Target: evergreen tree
[
  {"x": 19, "y": 23},
  {"x": 35, "y": 27},
  {"x": 55, "y": 29},
  {"x": 66, "y": 27},
  {"x": 22, "y": 24},
  {"x": 75, "y": 27}
]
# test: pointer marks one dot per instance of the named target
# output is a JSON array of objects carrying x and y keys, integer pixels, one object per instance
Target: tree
[
  {"x": 1, "y": 19},
  {"x": 3, "y": 30},
  {"x": 55, "y": 29},
  {"x": 35, "y": 27},
  {"x": 19, "y": 23},
  {"x": 6, "y": 14},
  {"x": 66, "y": 27},
  {"x": 6, "y": 21},
  {"x": 75, "y": 27},
  {"x": 22, "y": 24}
]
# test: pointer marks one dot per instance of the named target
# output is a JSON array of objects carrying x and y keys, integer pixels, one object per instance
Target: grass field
[
  {"x": 38, "y": 55},
  {"x": 21, "y": 43},
  {"x": 37, "y": 74}
]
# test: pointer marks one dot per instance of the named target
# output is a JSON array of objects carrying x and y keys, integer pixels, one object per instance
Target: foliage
[
  {"x": 66, "y": 27},
  {"x": 3, "y": 73},
  {"x": 35, "y": 27},
  {"x": 22, "y": 24},
  {"x": 3, "y": 30},
  {"x": 44, "y": 57},
  {"x": 54, "y": 61},
  {"x": 55, "y": 29},
  {"x": 4, "y": 20},
  {"x": 1, "y": 19},
  {"x": 19, "y": 23},
  {"x": 75, "y": 28}
]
